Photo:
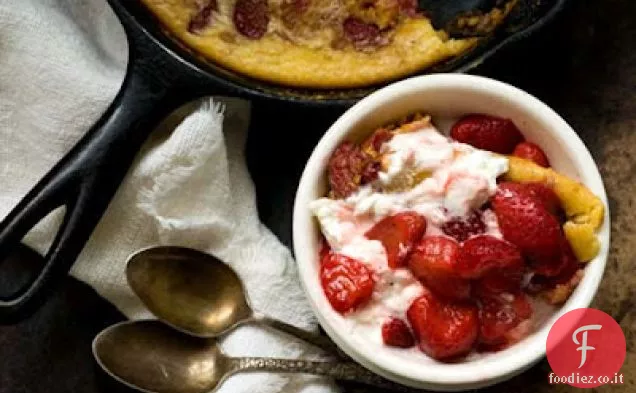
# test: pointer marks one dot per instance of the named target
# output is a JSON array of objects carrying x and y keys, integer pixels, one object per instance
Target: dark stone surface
[{"x": 584, "y": 67}]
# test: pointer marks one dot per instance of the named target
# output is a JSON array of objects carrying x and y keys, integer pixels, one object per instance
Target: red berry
[
  {"x": 500, "y": 280},
  {"x": 361, "y": 33},
  {"x": 539, "y": 283},
  {"x": 525, "y": 222},
  {"x": 561, "y": 268},
  {"x": 547, "y": 196},
  {"x": 487, "y": 132},
  {"x": 498, "y": 314},
  {"x": 532, "y": 152},
  {"x": 433, "y": 262},
  {"x": 347, "y": 283},
  {"x": 395, "y": 333},
  {"x": 345, "y": 169},
  {"x": 483, "y": 254},
  {"x": 518, "y": 333},
  {"x": 398, "y": 234},
  {"x": 461, "y": 228},
  {"x": 571, "y": 266},
  {"x": 251, "y": 18},
  {"x": 443, "y": 329}
]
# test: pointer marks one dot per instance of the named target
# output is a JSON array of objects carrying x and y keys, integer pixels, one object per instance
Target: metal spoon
[
  {"x": 151, "y": 357},
  {"x": 198, "y": 294}
]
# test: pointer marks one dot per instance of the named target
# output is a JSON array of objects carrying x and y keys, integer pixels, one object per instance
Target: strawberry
[
  {"x": 531, "y": 152},
  {"x": 461, "y": 228},
  {"x": 512, "y": 336},
  {"x": 519, "y": 332},
  {"x": 487, "y": 132},
  {"x": 556, "y": 290},
  {"x": 443, "y": 329},
  {"x": 499, "y": 314},
  {"x": 525, "y": 222},
  {"x": 482, "y": 254},
  {"x": 547, "y": 196},
  {"x": 398, "y": 234},
  {"x": 571, "y": 266},
  {"x": 558, "y": 270},
  {"x": 396, "y": 333},
  {"x": 500, "y": 280},
  {"x": 347, "y": 282},
  {"x": 433, "y": 262}
]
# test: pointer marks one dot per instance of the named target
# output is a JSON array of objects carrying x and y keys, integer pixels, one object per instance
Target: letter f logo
[{"x": 584, "y": 347}]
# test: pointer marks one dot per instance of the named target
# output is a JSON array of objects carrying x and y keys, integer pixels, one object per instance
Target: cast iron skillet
[{"x": 161, "y": 76}]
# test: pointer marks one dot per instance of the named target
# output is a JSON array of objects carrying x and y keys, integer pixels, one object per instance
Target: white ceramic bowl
[{"x": 446, "y": 97}]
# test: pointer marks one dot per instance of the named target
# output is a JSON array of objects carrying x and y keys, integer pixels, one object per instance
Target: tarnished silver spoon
[
  {"x": 151, "y": 357},
  {"x": 198, "y": 294}
]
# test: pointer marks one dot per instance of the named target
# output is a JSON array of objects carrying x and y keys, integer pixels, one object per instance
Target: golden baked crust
[
  {"x": 305, "y": 60},
  {"x": 584, "y": 210}
]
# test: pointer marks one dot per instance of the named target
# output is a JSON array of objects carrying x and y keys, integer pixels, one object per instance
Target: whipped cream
[{"x": 457, "y": 178}]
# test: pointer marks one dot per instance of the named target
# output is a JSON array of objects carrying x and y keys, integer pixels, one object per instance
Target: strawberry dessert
[{"x": 451, "y": 246}]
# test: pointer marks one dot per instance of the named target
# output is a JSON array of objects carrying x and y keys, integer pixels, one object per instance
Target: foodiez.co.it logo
[{"x": 586, "y": 348}]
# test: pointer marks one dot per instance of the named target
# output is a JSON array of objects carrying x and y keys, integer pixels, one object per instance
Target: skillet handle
[{"x": 85, "y": 180}]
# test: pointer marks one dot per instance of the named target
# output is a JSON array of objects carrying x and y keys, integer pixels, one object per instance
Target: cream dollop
[{"x": 459, "y": 178}]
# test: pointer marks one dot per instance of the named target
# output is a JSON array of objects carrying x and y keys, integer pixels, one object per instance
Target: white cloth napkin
[{"x": 61, "y": 63}]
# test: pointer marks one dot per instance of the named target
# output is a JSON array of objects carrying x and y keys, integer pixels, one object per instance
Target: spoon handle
[
  {"x": 315, "y": 339},
  {"x": 344, "y": 371}
]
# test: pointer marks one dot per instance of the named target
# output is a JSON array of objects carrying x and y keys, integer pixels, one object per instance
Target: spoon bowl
[
  {"x": 149, "y": 356},
  {"x": 196, "y": 293},
  {"x": 190, "y": 290}
]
